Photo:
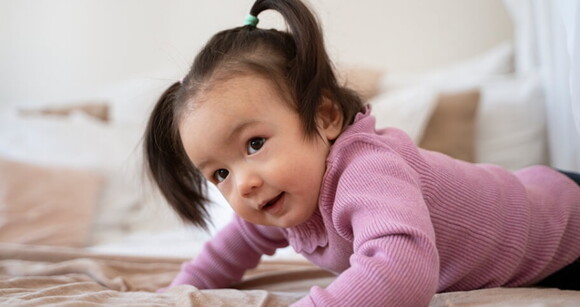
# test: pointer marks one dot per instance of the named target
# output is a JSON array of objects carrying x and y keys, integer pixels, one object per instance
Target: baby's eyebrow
[{"x": 239, "y": 128}]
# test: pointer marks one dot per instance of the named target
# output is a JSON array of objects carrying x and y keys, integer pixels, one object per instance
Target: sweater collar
[{"x": 308, "y": 236}]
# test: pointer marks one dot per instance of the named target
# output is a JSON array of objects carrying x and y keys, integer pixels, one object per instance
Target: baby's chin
[
  {"x": 280, "y": 222},
  {"x": 277, "y": 224},
  {"x": 289, "y": 222}
]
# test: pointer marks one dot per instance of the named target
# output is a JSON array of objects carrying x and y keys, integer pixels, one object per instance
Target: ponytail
[{"x": 180, "y": 183}]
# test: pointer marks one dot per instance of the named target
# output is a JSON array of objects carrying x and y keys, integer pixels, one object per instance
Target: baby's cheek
[
  {"x": 227, "y": 194},
  {"x": 237, "y": 207}
]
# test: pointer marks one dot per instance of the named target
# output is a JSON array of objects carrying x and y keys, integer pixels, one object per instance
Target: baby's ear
[{"x": 329, "y": 119}]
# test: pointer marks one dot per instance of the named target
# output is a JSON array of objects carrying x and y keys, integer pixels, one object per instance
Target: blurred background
[
  {"x": 486, "y": 81},
  {"x": 57, "y": 50}
]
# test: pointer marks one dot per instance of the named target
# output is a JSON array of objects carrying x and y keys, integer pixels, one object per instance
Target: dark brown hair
[{"x": 296, "y": 60}]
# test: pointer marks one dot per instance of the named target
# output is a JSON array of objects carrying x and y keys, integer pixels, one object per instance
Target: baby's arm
[
  {"x": 379, "y": 206},
  {"x": 229, "y": 254},
  {"x": 380, "y": 278}
]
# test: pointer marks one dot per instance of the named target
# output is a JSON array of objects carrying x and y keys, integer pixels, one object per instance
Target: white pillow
[
  {"x": 464, "y": 75},
  {"x": 511, "y": 124},
  {"x": 408, "y": 109}
]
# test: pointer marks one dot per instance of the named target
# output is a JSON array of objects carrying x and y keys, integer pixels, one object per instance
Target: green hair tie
[{"x": 251, "y": 20}]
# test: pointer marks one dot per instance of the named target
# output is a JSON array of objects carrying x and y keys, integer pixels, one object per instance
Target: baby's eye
[
  {"x": 255, "y": 144},
  {"x": 221, "y": 174}
]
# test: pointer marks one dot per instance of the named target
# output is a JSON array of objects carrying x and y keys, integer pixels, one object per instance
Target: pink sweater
[{"x": 399, "y": 223}]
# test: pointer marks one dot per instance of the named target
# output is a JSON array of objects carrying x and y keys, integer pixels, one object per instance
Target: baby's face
[{"x": 250, "y": 143}]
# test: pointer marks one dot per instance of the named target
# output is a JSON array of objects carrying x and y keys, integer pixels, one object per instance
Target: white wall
[{"x": 54, "y": 50}]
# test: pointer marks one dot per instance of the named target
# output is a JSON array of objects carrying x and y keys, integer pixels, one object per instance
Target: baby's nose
[{"x": 248, "y": 183}]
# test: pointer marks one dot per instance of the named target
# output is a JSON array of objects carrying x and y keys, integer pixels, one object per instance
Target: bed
[{"x": 81, "y": 225}]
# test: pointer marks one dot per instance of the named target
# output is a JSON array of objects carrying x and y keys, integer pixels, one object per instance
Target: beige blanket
[{"x": 40, "y": 275}]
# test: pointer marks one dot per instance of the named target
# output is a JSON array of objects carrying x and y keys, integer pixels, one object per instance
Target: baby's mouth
[{"x": 271, "y": 202}]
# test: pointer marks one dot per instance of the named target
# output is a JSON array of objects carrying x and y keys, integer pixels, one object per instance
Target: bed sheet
[{"x": 41, "y": 275}]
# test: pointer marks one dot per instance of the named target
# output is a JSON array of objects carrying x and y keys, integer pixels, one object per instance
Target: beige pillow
[
  {"x": 46, "y": 206},
  {"x": 451, "y": 128},
  {"x": 97, "y": 110}
]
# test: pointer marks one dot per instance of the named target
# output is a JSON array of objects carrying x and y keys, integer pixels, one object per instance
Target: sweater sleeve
[
  {"x": 224, "y": 259},
  {"x": 378, "y": 206}
]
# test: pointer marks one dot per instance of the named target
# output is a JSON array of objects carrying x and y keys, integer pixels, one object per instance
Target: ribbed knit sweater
[{"x": 398, "y": 224}]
